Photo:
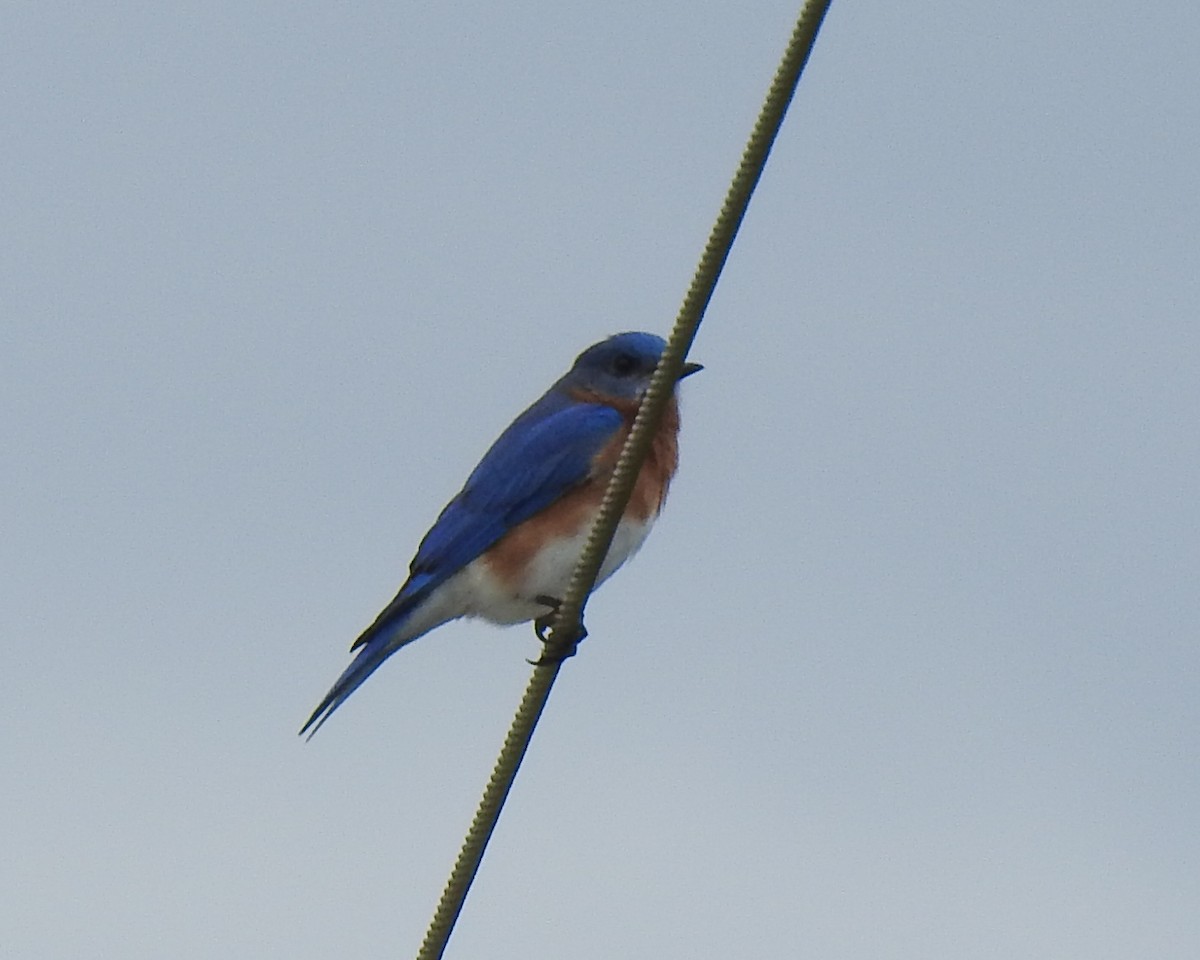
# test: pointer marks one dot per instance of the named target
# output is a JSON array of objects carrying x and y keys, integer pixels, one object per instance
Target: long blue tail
[{"x": 370, "y": 656}]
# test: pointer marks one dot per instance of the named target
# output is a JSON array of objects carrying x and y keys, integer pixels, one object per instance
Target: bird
[{"x": 504, "y": 548}]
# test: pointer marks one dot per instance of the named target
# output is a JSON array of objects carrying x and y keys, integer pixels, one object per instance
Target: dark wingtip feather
[
  {"x": 362, "y": 666},
  {"x": 319, "y": 716}
]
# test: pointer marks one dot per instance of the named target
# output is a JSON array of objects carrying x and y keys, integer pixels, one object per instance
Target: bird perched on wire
[{"x": 505, "y": 547}]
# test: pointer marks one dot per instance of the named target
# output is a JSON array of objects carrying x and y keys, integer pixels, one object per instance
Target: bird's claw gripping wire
[{"x": 554, "y": 650}]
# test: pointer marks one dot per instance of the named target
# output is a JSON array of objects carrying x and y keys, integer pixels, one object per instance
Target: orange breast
[
  {"x": 572, "y": 513},
  {"x": 650, "y": 488}
]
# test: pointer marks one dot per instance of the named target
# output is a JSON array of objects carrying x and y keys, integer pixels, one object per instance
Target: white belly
[{"x": 475, "y": 591}]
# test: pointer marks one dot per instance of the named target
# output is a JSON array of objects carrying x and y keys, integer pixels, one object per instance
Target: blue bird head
[{"x": 620, "y": 366}]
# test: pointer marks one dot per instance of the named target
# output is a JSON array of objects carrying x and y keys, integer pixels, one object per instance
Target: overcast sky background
[{"x": 908, "y": 669}]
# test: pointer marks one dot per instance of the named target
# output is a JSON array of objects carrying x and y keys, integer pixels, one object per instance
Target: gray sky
[{"x": 907, "y": 670}]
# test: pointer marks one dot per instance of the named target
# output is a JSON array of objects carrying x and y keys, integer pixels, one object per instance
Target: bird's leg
[
  {"x": 542, "y": 625},
  {"x": 554, "y": 651}
]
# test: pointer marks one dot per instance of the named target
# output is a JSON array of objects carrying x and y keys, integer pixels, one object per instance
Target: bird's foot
[{"x": 553, "y": 649}]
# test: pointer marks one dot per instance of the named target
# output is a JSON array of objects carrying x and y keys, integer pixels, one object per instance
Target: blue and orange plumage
[{"x": 510, "y": 539}]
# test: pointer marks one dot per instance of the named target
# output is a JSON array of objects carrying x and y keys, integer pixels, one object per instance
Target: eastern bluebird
[{"x": 505, "y": 547}]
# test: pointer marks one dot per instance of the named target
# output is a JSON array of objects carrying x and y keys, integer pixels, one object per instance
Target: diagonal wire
[{"x": 568, "y": 621}]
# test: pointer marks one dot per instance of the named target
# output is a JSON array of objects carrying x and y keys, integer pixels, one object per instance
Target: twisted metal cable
[
  {"x": 488, "y": 813},
  {"x": 568, "y": 622},
  {"x": 567, "y": 626}
]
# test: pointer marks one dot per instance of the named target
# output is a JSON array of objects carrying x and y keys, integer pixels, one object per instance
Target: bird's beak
[{"x": 690, "y": 368}]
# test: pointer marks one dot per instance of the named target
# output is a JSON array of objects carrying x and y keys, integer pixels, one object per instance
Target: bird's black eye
[{"x": 623, "y": 364}]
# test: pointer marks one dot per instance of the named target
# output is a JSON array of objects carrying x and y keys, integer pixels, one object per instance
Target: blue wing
[
  {"x": 543, "y": 454},
  {"x": 533, "y": 463}
]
